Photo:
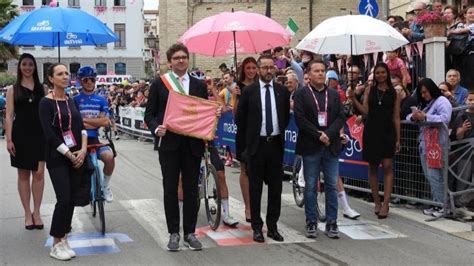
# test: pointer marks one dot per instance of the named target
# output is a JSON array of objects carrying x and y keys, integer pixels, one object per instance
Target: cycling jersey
[{"x": 91, "y": 106}]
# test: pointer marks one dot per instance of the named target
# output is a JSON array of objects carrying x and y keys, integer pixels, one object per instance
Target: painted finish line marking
[{"x": 95, "y": 243}]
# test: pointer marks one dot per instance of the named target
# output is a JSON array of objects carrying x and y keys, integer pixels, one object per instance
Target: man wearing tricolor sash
[{"x": 177, "y": 153}]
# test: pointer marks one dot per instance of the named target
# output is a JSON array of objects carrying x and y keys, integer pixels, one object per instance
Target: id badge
[
  {"x": 69, "y": 139},
  {"x": 323, "y": 119}
]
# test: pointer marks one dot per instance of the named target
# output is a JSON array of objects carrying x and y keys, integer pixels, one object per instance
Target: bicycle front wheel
[
  {"x": 321, "y": 202},
  {"x": 298, "y": 191},
  {"x": 100, "y": 200},
  {"x": 212, "y": 198}
]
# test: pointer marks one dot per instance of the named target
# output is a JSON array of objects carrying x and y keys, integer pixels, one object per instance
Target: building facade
[
  {"x": 124, "y": 57},
  {"x": 176, "y": 16}
]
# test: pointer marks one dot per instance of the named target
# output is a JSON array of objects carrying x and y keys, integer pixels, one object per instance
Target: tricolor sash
[{"x": 172, "y": 83}]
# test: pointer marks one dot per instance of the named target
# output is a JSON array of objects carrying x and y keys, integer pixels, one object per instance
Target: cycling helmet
[
  {"x": 86, "y": 71},
  {"x": 198, "y": 74}
]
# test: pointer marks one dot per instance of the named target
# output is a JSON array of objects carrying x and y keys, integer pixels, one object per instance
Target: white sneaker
[
  {"x": 350, "y": 213},
  {"x": 59, "y": 252},
  {"x": 438, "y": 213},
  {"x": 109, "y": 197},
  {"x": 69, "y": 250},
  {"x": 230, "y": 221},
  {"x": 430, "y": 211}
]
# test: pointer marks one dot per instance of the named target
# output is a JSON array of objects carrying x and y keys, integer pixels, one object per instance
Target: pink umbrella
[{"x": 230, "y": 33}]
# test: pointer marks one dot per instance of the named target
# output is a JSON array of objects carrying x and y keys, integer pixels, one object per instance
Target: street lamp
[{"x": 151, "y": 41}]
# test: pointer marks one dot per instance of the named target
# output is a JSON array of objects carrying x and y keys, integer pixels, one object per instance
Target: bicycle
[
  {"x": 298, "y": 191},
  {"x": 209, "y": 190},
  {"x": 97, "y": 198}
]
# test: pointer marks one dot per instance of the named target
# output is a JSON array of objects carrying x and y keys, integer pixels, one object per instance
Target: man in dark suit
[
  {"x": 178, "y": 154},
  {"x": 319, "y": 116},
  {"x": 263, "y": 110}
]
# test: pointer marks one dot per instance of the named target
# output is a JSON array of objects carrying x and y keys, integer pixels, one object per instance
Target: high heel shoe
[
  {"x": 37, "y": 226},
  {"x": 377, "y": 209},
  {"x": 383, "y": 215},
  {"x": 30, "y": 226}
]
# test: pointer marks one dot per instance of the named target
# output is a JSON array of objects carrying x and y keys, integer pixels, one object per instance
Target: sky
[{"x": 151, "y": 4}]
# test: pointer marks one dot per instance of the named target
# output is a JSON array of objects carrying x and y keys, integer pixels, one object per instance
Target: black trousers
[
  {"x": 64, "y": 208},
  {"x": 266, "y": 166},
  {"x": 172, "y": 164}
]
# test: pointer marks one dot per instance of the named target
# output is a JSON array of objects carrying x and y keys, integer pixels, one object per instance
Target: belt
[{"x": 270, "y": 138}]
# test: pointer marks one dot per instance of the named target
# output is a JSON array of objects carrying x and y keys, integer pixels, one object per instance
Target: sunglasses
[{"x": 88, "y": 79}]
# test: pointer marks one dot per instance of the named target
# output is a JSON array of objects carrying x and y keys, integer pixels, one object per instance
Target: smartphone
[{"x": 413, "y": 108}]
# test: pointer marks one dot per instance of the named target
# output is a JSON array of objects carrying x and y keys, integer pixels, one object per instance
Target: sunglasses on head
[{"x": 88, "y": 79}]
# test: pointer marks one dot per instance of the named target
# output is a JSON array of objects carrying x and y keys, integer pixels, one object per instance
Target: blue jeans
[
  {"x": 313, "y": 164},
  {"x": 435, "y": 178}
]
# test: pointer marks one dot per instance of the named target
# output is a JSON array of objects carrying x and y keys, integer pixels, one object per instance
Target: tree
[{"x": 8, "y": 11}]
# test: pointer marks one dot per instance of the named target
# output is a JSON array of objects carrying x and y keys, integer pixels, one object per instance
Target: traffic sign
[{"x": 369, "y": 8}]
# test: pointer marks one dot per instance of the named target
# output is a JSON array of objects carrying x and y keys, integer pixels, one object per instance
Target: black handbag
[
  {"x": 81, "y": 183},
  {"x": 458, "y": 44}
]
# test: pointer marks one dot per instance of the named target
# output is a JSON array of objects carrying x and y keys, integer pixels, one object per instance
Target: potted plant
[{"x": 434, "y": 24}]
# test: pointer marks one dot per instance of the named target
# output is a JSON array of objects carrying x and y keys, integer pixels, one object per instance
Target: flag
[
  {"x": 292, "y": 28},
  {"x": 191, "y": 116}
]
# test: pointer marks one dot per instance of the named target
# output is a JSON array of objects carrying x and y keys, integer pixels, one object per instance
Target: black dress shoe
[
  {"x": 275, "y": 235},
  {"x": 258, "y": 236}
]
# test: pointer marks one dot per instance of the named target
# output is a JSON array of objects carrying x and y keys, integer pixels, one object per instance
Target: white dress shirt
[
  {"x": 185, "y": 82},
  {"x": 276, "y": 128}
]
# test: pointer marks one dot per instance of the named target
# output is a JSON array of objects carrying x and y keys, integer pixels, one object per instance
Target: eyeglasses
[
  {"x": 177, "y": 58},
  {"x": 266, "y": 68},
  {"x": 88, "y": 79}
]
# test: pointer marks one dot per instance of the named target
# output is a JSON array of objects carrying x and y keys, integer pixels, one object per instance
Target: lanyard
[
  {"x": 316, "y": 101},
  {"x": 59, "y": 113}
]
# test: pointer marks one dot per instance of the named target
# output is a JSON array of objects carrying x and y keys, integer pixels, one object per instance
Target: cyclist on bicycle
[{"x": 95, "y": 114}]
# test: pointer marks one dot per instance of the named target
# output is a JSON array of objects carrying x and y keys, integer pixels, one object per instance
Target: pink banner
[
  {"x": 356, "y": 130},
  {"x": 408, "y": 51},
  {"x": 191, "y": 116},
  {"x": 419, "y": 45}
]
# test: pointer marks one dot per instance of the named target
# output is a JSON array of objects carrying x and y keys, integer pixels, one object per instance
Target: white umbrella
[{"x": 352, "y": 34}]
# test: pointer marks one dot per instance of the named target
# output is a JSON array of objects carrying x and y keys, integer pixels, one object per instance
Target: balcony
[
  {"x": 27, "y": 8},
  {"x": 119, "y": 8},
  {"x": 100, "y": 10}
]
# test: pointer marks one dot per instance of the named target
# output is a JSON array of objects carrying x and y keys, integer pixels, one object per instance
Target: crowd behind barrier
[{"x": 410, "y": 182}]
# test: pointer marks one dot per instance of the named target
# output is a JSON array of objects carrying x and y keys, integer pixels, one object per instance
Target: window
[
  {"x": 120, "y": 69},
  {"x": 119, "y": 2},
  {"x": 119, "y": 30},
  {"x": 28, "y": 2},
  {"x": 101, "y": 68},
  {"x": 73, "y": 68},
  {"x": 100, "y": 2},
  {"x": 45, "y": 71},
  {"x": 72, "y": 3}
]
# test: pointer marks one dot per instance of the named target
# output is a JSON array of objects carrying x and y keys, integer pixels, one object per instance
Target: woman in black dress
[
  {"x": 381, "y": 136},
  {"x": 247, "y": 76},
  {"x": 66, "y": 148},
  {"x": 25, "y": 140}
]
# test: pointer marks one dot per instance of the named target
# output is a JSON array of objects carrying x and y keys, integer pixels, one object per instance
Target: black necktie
[{"x": 268, "y": 111}]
